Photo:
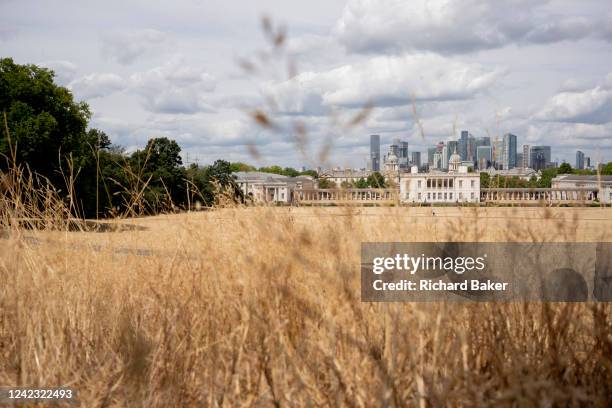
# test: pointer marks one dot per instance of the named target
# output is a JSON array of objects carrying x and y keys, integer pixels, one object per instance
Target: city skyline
[{"x": 174, "y": 70}]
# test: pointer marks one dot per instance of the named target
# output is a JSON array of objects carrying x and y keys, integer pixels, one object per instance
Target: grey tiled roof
[{"x": 579, "y": 177}]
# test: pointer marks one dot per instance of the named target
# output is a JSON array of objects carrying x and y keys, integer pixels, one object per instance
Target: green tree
[
  {"x": 565, "y": 168},
  {"x": 238, "y": 166},
  {"x": 160, "y": 164},
  {"x": 326, "y": 183},
  {"x": 46, "y": 125},
  {"x": 485, "y": 178},
  {"x": 376, "y": 180},
  {"x": 361, "y": 183},
  {"x": 533, "y": 182},
  {"x": 272, "y": 169},
  {"x": 311, "y": 173},
  {"x": 547, "y": 176},
  {"x": 291, "y": 172},
  {"x": 220, "y": 175},
  {"x": 607, "y": 169}
]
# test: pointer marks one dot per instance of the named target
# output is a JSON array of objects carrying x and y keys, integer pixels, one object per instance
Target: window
[
  {"x": 472, "y": 195},
  {"x": 450, "y": 183},
  {"x": 450, "y": 196},
  {"x": 429, "y": 196},
  {"x": 428, "y": 183},
  {"x": 419, "y": 183},
  {"x": 460, "y": 196},
  {"x": 473, "y": 183},
  {"x": 460, "y": 183},
  {"x": 419, "y": 194},
  {"x": 282, "y": 196},
  {"x": 445, "y": 196},
  {"x": 439, "y": 196}
]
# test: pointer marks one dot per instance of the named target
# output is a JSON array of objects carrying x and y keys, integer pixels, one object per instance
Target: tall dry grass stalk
[{"x": 260, "y": 307}]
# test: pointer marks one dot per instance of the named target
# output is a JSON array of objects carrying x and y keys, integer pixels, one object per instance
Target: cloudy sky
[{"x": 195, "y": 71}]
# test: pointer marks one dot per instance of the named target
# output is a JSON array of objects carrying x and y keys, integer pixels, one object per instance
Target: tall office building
[
  {"x": 587, "y": 162},
  {"x": 579, "y": 160},
  {"x": 471, "y": 149},
  {"x": 509, "y": 154},
  {"x": 462, "y": 145},
  {"x": 430, "y": 156},
  {"x": 402, "y": 149},
  {"x": 416, "y": 159},
  {"x": 437, "y": 160},
  {"x": 540, "y": 157},
  {"x": 375, "y": 152},
  {"x": 478, "y": 142},
  {"x": 445, "y": 157},
  {"x": 452, "y": 146},
  {"x": 526, "y": 156},
  {"x": 484, "y": 157},
  {"x": 498, "y": 153}
]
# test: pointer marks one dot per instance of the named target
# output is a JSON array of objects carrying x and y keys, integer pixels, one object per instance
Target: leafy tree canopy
[
  {"x": 376, "y": 180},
  {"x": 565, "y": 168},
  {"x": 44, "y": 121}
]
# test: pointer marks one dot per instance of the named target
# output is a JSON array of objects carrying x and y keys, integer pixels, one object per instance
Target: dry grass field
[{"x": 260, "y": 307}]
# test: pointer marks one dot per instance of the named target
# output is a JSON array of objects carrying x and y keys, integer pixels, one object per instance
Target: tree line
[
  {"x": 45, "y": 133},
  {"x": 545, "y": 180}
]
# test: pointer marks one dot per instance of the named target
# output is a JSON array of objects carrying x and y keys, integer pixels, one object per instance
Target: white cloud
[
  {"x": 450, "y": 27},
  {"x": 126, "y": 46},
  {"x": 97, "y": 85},
  {"x": 174, "y": 88},
  {"x": 384, "y": 81},
  {"x": 65, "y": 71},
  {"x": 591, "y": 106}
]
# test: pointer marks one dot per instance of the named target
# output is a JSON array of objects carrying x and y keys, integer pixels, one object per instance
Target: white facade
[
  {"x": 438, "y": 187},
  {"x": 520, "y": 172},
  {"x": 271, "y": 188},
  {"x": 603, "y": 183},
  {"x": 348, "y": 175}
]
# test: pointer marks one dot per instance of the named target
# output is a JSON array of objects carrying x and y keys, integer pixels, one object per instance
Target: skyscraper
[
  {"x": 526, "y": 156},
  {"x": 498, "y": 153},
  {"x": 445, "y": 157},
  {"x": 519, "y": 158},
  {"x": 462, "y": 145},
  {"x": 437, "y": 160},
  {"x": 509, "y": 154},
  {"x": 471, "y": 148},
  {"x": 579, "y": 160},
  {"x": 416, "y": 159},
  {"x": 452, "y": 145},
  {"x": 478, "y": 142},
  {"x": 430, "y": 156},
  {"x": 375, "y": 152},
  {"x": 540, "y": 157},
  {"x": 484, "y": 157}
]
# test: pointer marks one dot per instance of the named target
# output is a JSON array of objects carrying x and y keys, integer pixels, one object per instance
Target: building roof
[
  {"x": 580, "y": 177},
  {"x": 516, "y": 171},
  {"x": 346, "y": 173},
  {"x": 255, "y": 176}
]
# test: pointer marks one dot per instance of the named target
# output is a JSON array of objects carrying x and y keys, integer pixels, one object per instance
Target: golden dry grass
[{"x": 260, "y": 307}]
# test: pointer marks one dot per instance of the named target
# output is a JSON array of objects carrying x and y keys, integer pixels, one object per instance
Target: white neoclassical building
[
  {"x": 347, "y": 175},
  {"x": 601, "y": 185},
  {"x": 271, "y": 188},
  {"x": 456, "y": 186}
]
